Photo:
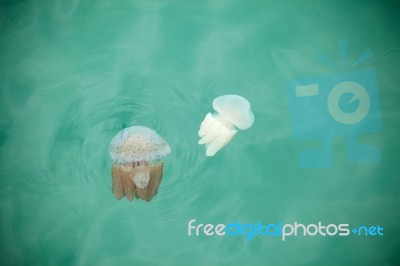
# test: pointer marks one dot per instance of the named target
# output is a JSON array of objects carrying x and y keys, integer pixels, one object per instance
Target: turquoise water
[{"x": 74, "y": 73}]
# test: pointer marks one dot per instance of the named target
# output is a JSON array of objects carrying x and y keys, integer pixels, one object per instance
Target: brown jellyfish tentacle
[
  {"x": 117, "y": 181},
  {"x": 156, "y": 174},
  {"x": 142, "y": 191},
  {"x": 129, "y": 186},
  {"x": 122, "y": 183},
  {"x": 140, "y": 174},
  {"x": 151, "y": 190}
]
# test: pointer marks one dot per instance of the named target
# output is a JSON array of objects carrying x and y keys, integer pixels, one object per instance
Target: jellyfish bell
[
  {"x": 235, "y": 109},
  {"x": 137, "y": 168},
  {"x": 217, "y": 129}
]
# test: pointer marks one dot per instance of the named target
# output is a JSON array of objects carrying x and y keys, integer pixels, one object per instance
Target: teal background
[{"x": 74, "y": 73}]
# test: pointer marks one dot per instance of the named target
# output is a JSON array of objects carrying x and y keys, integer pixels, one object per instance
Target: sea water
[{"x": 74, "y": 73}]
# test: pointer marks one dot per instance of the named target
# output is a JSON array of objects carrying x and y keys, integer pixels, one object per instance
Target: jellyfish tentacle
[
  {"x": 130, "y": 189},
  {"x": 141, "y": 179},
  {"x": 219, "y": 142},
  {"x": 156, "y": 176},
  {"x": 117, "y": 181},
  {"x": 141, "y": 176},
  {"x": 151, "y": 190},
  {"x": 208, "y": 138},
  {"x": 215, "y": 132},
  {"x": 210, "y": 129},
  {"x": 205, "y": 124}
]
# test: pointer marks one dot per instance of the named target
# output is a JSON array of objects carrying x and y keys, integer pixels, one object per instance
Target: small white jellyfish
[
  {"x": 217, "y": 129},
  {"x": 136, "y": 166}
]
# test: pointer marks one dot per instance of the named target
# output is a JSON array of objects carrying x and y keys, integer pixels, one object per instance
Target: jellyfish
[
  {"x": 217, "y": 129},
  {"x": 137, "y": 167}
]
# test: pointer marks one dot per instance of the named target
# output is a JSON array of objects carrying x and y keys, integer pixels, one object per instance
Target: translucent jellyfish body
[
  {"x": 137, "y": 168},
  {"x": 217, "y": 129}
]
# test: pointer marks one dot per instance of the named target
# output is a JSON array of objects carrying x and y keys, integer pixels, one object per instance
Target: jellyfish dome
[
  {"x": 138, "y": 143},
  {"x": 217, "y": 129},
  {"x": 137, "y": 168}
]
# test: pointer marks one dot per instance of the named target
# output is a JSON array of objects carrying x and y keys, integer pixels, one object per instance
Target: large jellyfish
[
  {"x": 137, "y": 168},
  {"x": 217, "y": 129}
]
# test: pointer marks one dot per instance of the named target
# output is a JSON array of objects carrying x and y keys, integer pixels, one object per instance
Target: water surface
[{"x": 73, "y": 74}]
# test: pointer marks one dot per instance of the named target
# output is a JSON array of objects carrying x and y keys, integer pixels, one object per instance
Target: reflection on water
[{"x": 73, "y": 74}]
